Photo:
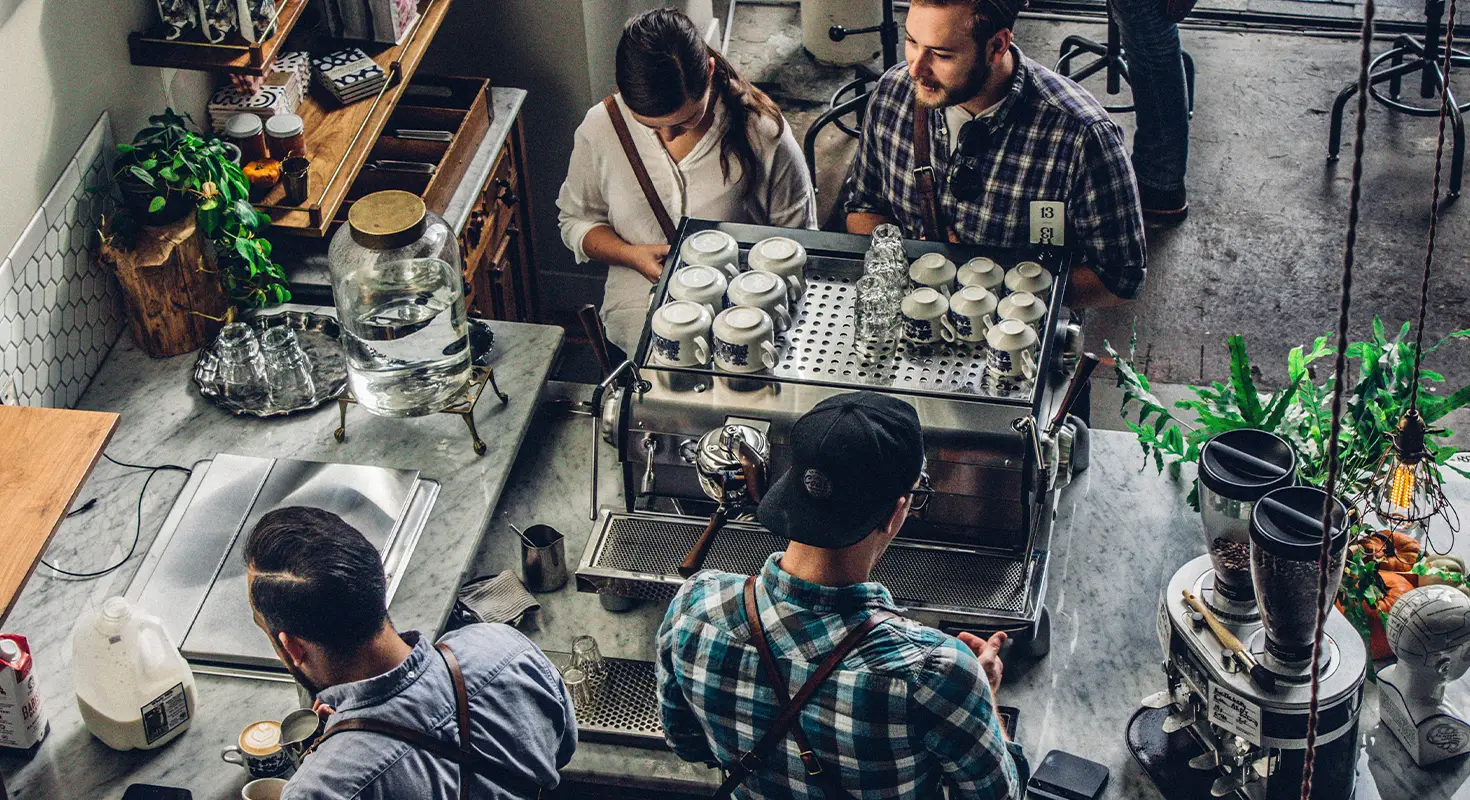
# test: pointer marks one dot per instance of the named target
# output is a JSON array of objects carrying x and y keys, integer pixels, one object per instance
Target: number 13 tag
[{"x": 1049, "y": 222}]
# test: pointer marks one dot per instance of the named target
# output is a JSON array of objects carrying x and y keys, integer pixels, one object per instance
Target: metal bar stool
[
  {"x": 842, "y": 104},
  {"x": 1407, "y": 56},
  {"x": 1110, "y": 56}
]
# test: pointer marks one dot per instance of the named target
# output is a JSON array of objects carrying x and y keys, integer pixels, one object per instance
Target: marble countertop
[
  {"x": 1121, "y": 532},
  {"x": 165, "y": 420}
]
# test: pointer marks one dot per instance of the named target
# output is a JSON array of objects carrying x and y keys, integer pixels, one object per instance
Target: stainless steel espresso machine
[
  {"x": 1236, "y": 629},
  {"x": 975, "y": 559}
]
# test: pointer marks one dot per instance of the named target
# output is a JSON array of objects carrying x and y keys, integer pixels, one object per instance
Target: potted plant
[{"x": 1380, "y": 564}]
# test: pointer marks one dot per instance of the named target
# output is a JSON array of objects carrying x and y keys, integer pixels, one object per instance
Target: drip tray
[
  {"x": 193, "y": 577},
  {"x": 638, "y": 555},
  {"x": 624, "y": 706}
]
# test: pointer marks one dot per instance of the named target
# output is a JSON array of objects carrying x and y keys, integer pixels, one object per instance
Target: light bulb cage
[{"x": 1406, "y": 488}]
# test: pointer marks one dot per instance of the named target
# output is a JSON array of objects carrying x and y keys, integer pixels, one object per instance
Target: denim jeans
[{"x": 1160, "y": 99}]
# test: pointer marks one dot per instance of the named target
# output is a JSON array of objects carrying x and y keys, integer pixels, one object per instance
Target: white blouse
[{"x": 601, "y": 188}]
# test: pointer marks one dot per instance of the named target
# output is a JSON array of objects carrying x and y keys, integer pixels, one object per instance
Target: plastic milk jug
[
  {"x": 22, "y": 726},
  {"x": 134, "y": 689}
]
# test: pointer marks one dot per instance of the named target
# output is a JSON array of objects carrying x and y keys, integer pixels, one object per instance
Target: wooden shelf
[
  {"x": 235, "y": 54},
  {"x": 339, "y": 138}
]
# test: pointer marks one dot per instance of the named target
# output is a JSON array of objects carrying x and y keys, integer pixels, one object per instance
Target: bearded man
[{"x": 973, "y": 142}]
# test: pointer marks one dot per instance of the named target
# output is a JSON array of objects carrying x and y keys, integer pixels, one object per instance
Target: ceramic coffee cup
[
  {"x": 983, "y": 272},
  {"x": 299, "y": 731},
  {"x": 971, "y": 313},
  {"x": 1029, "y": 276},
  {"x": 263, "y": 789},
  {"x": 1010, "y": 351},
  {"x": 700, "y": 284},
  {"x": 715, "y": 248},
  {"x": 745, "y": 340},
  {"x": 784, "y": 257},
  {"x": 764, "y": 290},
  {"x": 258, "y": 750},
  {"x": 923, "y": 316},
  {"x": 934, "y": 271},
  {"x": 1023, "y": 306},
  {"x": 680, "y": 335}
]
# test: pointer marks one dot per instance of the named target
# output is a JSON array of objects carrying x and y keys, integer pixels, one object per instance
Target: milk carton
[{"x": 22, "y": 726}]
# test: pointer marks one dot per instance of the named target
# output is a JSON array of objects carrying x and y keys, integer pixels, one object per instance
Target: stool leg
[
  {"x": 1334, "y": 138},
  {"x": 1114, "y": 56},
  {"x": 1457, "y": 160},
  {"x": 1395, "y": 85}
]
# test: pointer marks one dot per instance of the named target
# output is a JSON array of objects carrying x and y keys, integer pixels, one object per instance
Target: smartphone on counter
[
  {"x": 149, "y": 791},
  {"x": 1009, "y": 716}
]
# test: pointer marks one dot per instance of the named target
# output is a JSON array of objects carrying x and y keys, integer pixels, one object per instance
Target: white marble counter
[{"x": 164, "y": 420}]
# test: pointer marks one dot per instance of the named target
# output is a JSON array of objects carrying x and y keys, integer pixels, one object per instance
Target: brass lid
[{"x": 386, "y": 220}]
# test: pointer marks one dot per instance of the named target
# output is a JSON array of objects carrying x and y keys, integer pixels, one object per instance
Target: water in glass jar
[{"x": 406, "y": 340}]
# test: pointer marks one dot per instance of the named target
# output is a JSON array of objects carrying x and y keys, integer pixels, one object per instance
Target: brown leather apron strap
[
  {"x": 625, "y": 137},
  {"x": 924, "y": 176},
  {"x": 788, "y": 718},
  {"x": 462, "y": 706}
]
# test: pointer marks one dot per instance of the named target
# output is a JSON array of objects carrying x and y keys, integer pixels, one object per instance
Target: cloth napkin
[{"x": 498, "y": 598}]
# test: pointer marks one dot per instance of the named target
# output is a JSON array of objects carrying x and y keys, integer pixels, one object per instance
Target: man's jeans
[{"x": 1160, "y": 99}]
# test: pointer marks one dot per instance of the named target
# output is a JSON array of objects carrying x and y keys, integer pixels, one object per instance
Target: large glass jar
[
  {"x": 1286, "y": 543},
  {"x": 1237, "y": 468},
  {"x": 399, "y": 288}
]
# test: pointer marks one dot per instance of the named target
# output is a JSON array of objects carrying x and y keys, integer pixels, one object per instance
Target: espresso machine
[
  {"x": 1236, "y": 628},
  {"x": 974, "y": 559}
]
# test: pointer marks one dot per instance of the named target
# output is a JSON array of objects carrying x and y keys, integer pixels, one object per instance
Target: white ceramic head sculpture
[{"x": 1429, "y": 630}]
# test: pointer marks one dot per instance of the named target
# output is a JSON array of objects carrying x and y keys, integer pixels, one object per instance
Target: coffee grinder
[{"x": 1232, "y": 720}]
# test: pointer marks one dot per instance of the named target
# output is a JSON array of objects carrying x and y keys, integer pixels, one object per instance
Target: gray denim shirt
[{"x": 520, "y": 715}]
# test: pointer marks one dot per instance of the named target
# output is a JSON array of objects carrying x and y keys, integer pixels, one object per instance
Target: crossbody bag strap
[
  {"x": 462, "y": 707},
  {"x": 791, "y": 707},
  {"x": 924, "y": 175},
  {"x": 625, "y": 137}
]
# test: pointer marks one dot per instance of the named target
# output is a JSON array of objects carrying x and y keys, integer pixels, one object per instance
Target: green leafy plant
[{"x": 168, "y": 166}]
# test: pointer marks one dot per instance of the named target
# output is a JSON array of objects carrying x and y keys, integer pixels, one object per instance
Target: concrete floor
[{"x": 1261, "y": 253}]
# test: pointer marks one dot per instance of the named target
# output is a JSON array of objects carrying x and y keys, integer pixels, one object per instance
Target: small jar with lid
[
  {"x": 247, "y": 132},
  {"x": 285, "y": 135}
]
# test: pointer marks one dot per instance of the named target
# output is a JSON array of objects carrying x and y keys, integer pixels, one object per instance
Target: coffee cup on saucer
[
  {"x": 1010, "y": 354},
  {"x": 680, "y": 334},
  {"x": 1023, "y": 306},
  {"x": 1029, "y": 276},
  {"x": 983, "y": 272},
  {"x": 764, "y": 290},
  {"x": 258, "y": 750},
  {"x": 712, "y": 248},
  {"x": 744, "y": 340},
  {"x": 784, "y": 257},
  {"x": 971, "y": 313},
  {"x": 934, "y": 271},
  {"x": 924, "y": 313},
  {"x": 697, "y": 283}
]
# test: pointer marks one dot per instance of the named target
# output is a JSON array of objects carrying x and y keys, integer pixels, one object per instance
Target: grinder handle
[
  {"x": 1085, "y": 365},
  {"x": 694, "y": 559},
  {"x": 592, "y": 324},
  {"x": 753, "y": 467}
]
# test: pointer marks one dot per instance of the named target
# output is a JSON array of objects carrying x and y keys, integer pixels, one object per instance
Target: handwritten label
[
  {"x": 1049, "y": 222},
  {"x": 1234, "y": 713}
]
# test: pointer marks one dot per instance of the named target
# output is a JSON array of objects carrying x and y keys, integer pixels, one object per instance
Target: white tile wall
[{"x": 60, "y": 311}]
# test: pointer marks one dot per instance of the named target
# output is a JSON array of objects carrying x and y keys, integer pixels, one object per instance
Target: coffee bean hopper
[
  {"x": 974, "y": 560},
  {"x": 1232, "y": 721}
]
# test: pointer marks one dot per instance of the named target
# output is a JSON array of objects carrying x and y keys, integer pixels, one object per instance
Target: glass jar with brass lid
[{"x": 398, "y": 283}]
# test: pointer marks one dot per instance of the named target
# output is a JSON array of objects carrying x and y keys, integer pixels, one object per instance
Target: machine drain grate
[{"x": 624, "y": 707}]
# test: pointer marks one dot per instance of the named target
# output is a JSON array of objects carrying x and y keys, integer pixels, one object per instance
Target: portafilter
[{"x": 731, "y": 462}]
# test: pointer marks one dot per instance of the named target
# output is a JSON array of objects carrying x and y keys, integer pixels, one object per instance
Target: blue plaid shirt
[
  {"x": 907, "y": 708},
  {"x": 1048, "y": 140}
]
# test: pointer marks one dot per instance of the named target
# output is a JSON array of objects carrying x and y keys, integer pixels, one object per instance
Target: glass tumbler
[
  {"x": 578, "y": 686},
  {"x": 241, "y": 366},
  {"x": 875, "y": 309},
  {"x": 287, "y": 368},
  {"x": 586, "y": 657}
]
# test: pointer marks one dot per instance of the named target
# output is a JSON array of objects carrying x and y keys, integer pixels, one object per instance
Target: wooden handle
[
  {"x": 694, "y": 559},
  {"x": 1085, "y": 366},
  {"x": 1221, "y": 632},
  {"x": 592, "y": 324},
  {"x": 753, "y": 467}
]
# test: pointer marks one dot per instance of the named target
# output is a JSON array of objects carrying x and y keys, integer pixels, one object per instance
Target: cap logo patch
[{"x": 816, "y": 483}]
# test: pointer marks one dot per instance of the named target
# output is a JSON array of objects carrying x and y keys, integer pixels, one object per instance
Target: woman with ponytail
[{"x": 712, "y": 146}]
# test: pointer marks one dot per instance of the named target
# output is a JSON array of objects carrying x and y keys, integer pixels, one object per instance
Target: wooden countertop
[{"x": 45, "y": 455}]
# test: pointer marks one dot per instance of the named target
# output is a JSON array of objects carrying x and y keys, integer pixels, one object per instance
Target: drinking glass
[
  {"x": 875, "y": 309},
  {"x": 241, "y": 367},
  {"x": 287, "y": 368},
  {"x": 586, "y": 657},
  {"x": 578, "y": 685}
]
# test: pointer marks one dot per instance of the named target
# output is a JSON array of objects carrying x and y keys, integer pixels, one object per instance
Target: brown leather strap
[
  {"x": 924, "y": 176},
  {"x": 639, "y": 170},
  {"x": 789, "y": 716},
  {"x": 465, "y": 755}
]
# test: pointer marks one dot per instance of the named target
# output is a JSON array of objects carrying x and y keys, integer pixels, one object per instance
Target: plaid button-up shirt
[
  {"x": 1048, "y": 139},
  {"x": 908, "y": 707}
]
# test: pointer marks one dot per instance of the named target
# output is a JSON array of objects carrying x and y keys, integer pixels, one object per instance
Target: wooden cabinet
[{"x": 497, "y": 242}]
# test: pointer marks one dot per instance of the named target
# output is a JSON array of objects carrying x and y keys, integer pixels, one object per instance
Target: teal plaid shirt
[{"x": 906, "y": 709}]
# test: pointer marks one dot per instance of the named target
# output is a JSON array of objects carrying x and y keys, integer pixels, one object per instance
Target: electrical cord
[{"x": 137, "y": 530}]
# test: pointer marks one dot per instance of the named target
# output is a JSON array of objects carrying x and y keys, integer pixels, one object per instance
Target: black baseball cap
[{"x": 852, "y": 456}]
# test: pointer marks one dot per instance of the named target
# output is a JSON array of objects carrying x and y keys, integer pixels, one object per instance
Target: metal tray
[{"x": 318, "y": 336}]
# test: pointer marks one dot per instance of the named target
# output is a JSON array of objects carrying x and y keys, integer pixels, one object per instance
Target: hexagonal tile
[
  {"x": 8, "y": 360},
  {"x": 33, "y": 271},
  {"x": 50, "y": 295},
  {"x": 68, "y": 316},
  {"x": 53, "y": 373},
  {"x": 53, "y": 241},
  {"x": 32, "y": 326},
  {"x": 47, "y": 351},
  {"x": 38, "y": 298},
  {"x": 79, "y": 235},
  {"x": 99, "y": 336},
  {"x": 27, "y": 380},
  {"x": 73, "y": 342},
  {"x": 10, "y": 308}
]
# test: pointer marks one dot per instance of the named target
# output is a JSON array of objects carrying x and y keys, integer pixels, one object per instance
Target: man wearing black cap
[{"x": 883, "y": 706}]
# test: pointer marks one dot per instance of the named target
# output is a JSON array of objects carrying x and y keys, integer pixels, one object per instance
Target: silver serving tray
[{"x": 317, "y": 334}]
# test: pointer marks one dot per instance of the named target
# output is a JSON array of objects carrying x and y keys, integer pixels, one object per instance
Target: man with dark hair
[
  {"x": 974, "y": 142},
  {"x": 897, "y": 706},
  {"x": 396, "y": 706}
]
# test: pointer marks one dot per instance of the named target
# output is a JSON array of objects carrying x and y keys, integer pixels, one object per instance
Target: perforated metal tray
[{"x": 624, "y": 707}]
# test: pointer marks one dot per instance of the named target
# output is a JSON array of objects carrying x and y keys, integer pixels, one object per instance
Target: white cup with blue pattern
[
  {"x": 971, "y": 313},
  {"x": 700, "y": 284},
  {"x": 924, "y": 313},
  {"x": 680, "y": 334},
  {"x": 745, "y": 340}
]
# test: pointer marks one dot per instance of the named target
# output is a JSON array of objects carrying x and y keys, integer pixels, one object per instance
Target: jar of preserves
[
  {"x": 285, "y": 136},
  {"x": 399, "y": 288},
  {"x": 247, "y": 132}
]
